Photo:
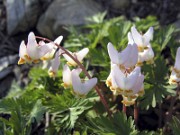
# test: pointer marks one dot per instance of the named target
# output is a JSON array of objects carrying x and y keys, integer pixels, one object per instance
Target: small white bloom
[
  {"x": 53, "y": 47},
  {"x": 142, "y": 40},
  {"x": 128, "y": 57},
  {"x": 55, "y": 65},
  {"x": 177, "y": 60},
  {"x": 82, "y": 88},
  {"x": 125, "y": 82},
  {"x": 78, "y": 55},
  {"x": 147, "y": 55},
  {"x": 67, "y": 78},
  {"x": 32, "y": 52}
]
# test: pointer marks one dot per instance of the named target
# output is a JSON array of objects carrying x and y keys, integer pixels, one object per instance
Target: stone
[
  {"x": 22, "y": 15},
  {"x": 66, "y": 13},
  {"x": 119, "y": 4}
]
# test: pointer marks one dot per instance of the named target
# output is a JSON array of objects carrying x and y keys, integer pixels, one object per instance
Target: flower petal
[
  {"x": 32, "y": 46},
  {"x": 132, "y": 77},
  {"x": 132, "y": 56},
  {"x": 130, "y": 38},
  {"x": 136, "y": 36},
  {"x": 67, "y": 75},
  {"x": 119, "y": 77},
  {"x": 58, "y": 40},
  {"x": 113, "y": 53},
  {"x": 177, "y": 60},
  {"x": 138, "y": 85},
  {"x": 82, "y": 53},
  {"x": 88, "y": 85},
  {"x": 22, "y": 50},
  {"x": 148, "y": 36}
]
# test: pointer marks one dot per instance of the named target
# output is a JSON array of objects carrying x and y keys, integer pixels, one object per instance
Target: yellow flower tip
[
  {"x": 128, "y": 93},
  {"x": 65, "y": 85},
  {"x": 52, "y": 74},
  {"x": 171, "y": 81},
  {"x": 139, "y": 64},
  {"x": 45, "y": 58},
  {"x": 150, "y": 61},
  {"x": 119, "y": 91},
  {"x": 128, "y": 103},
  {"x": 141, "y": 93},
  {"x": 108, "y": 83},
  {"x": 21, "y": 61},
  {"x": 71, "y": 64},
  {"x": 27, "y": 57},
  {"x": 140, "y": 49},
  {"x": 78, "y": 94},
  {"x": 35, "y": 61}
]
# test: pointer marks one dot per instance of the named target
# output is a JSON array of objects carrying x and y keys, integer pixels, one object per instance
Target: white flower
[
  {"x": 177, "y": 60},
  {"x": 32, "y": 52},
  {"x": 127, "y": 58},
  {"x": 175, "y": 74},
  {"x": 82, "y": 88},
  {"x": 67, "y": 79},
  {"x": 142, "y": 40},
  {"x": 55, "y": 65},
  {"x": 147, "y": 55},
  {"x": 174, "y": 78},
  {"x": 53, "y": 47},
  {"x": 78, "y": 55},
  {"x": 125, "y": 82}
]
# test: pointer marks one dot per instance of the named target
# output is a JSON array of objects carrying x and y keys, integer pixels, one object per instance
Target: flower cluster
[
  {"x": 175, "y": 74},
  {"x": 125, "y": 77},
  {"x": 34, "y": 52}
]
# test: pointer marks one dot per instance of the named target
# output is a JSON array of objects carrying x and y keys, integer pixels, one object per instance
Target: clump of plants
[{"x": 98, "y": 81}]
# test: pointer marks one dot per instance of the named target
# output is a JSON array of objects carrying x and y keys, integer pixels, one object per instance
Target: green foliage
[
  {"x": 22, "y": 110},
  {"x": 118, "y": 124},
  {"x": 174, "y": 125}
]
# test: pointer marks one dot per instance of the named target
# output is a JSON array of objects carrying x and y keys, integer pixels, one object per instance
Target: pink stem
[
  {"x": 136, "y": 113},
  {"x": 84, "y": 70},
  {"x": 124, "y": 109}
]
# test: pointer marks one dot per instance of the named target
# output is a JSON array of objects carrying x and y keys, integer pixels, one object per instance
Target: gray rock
[
  {"x": 22, "y": 15},
  {"x": 66, "y": 12},
  {"x": 119, "y": 4}
]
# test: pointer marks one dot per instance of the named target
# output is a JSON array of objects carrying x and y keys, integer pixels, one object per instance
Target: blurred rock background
[{"x": 49, "y": 17}]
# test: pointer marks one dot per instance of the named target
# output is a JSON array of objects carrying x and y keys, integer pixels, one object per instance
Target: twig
[
  {"x": 84, "y": 70},
  {"x": 124, "y": 108}
]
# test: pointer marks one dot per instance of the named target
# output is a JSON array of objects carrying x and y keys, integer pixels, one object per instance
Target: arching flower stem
[{"x": 83, "y": 69}]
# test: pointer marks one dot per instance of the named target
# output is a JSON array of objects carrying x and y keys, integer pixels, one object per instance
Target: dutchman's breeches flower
[
  {"x": 67, "y": 77},
  {"x": 145, "y": 52},
  {"x": 55, "y": 65},
  {"x": 81, "y": 88},
  {"x": 78, "y": 55},
  {"x": 124, "y": 59},
  {"x": 175, "y": 75},
  {"x": 32, "y": 52},
  {"x": 142, "y": 40},
  {"x": 129, "y": 85}
]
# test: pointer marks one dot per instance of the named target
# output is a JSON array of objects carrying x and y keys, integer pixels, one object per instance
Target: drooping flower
[
  {"x": 82, "y": 88},
  {"x": 53, "y": 47},
  {"x": 32, "y": 52},
  {"x": 78, "y": 55},
  {"x": 127, "y": 58},
  {"x": 67, "y": 78},
  {"x": 147, "y": 55},
  {"x": 145, "y": 52},
  {"x": 142, "y": 40},
  {"x": 175, "y": 74},
  {"x": 55, "y": 65}
]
